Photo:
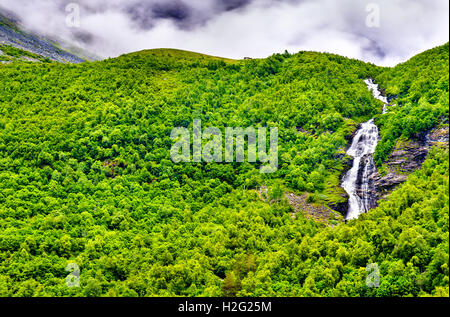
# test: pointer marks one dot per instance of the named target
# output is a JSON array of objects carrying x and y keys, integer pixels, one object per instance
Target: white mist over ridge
[{"x": 238, "y": 28}]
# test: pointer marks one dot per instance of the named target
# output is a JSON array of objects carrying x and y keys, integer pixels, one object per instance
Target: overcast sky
[{"x": 384, "y": 32}]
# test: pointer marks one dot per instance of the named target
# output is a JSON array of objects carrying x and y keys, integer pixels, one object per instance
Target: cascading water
[
  {"x": 377, "y": 93},
  {"x": 358, "y": 182}
]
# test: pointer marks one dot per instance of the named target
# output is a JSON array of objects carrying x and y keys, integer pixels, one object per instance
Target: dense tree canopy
[{"x": 86, "y": 177}]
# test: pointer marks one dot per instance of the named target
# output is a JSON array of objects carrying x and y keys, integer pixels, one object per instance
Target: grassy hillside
[
  {"x": 179, "y": 55},
  {"x": 86, "y": 178}
]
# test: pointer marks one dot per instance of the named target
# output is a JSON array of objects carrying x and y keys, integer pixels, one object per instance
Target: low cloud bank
[{"x": 383, "y": 32}]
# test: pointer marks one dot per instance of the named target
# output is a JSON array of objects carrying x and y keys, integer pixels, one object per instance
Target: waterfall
[
  {"x": 377, "y": 93},
  {"x": 358, "y": 182}
]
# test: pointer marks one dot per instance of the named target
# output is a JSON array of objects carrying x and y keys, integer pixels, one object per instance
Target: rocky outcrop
[
  {"x": 407, "y": 157},
  {"x": 437, "y": 136},
  {"x": 387, "y": 183},
  {"x": 313, "y": 211}
]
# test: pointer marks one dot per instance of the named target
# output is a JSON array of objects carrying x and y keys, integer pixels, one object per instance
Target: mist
[{"x": 384, "y": 32}]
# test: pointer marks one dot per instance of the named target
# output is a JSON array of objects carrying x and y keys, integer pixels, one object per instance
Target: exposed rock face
[
  {"x": 11, "y": 34},
  {"x": 317, "y": 212},
  {"x": 407, "y": 158},
  {"x": 437, "y": 136},
  {"x": 387, "y": 183}
]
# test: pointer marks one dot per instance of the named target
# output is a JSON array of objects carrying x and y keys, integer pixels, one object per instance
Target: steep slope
[
  {"x": 419, "y": 92},
  {"x": 86, "y": 178},
  {"x": 13, "y": 36},
  {"x": 414, "y": 121}
]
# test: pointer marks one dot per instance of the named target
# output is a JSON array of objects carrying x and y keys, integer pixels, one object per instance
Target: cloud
[{"x": 238, "y": 28}]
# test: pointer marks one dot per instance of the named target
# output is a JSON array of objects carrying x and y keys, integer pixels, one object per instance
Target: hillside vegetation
[
  {"x": 420, "y": 87},
  {"x": 86, "y": 177}
]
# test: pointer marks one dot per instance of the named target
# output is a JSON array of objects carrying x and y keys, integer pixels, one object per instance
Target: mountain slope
[
  {"x": 12, "y": 35},
  {"x": 420, "y": 91},
  {"x": 86, "y": 178}
]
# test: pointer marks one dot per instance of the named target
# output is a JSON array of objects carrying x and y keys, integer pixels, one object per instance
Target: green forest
[{"x": 86, "y": 178}]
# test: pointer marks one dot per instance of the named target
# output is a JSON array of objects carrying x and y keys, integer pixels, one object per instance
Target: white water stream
[
  {"x": 377, "y": 93},
  {"x": 357, "y": 181}
]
